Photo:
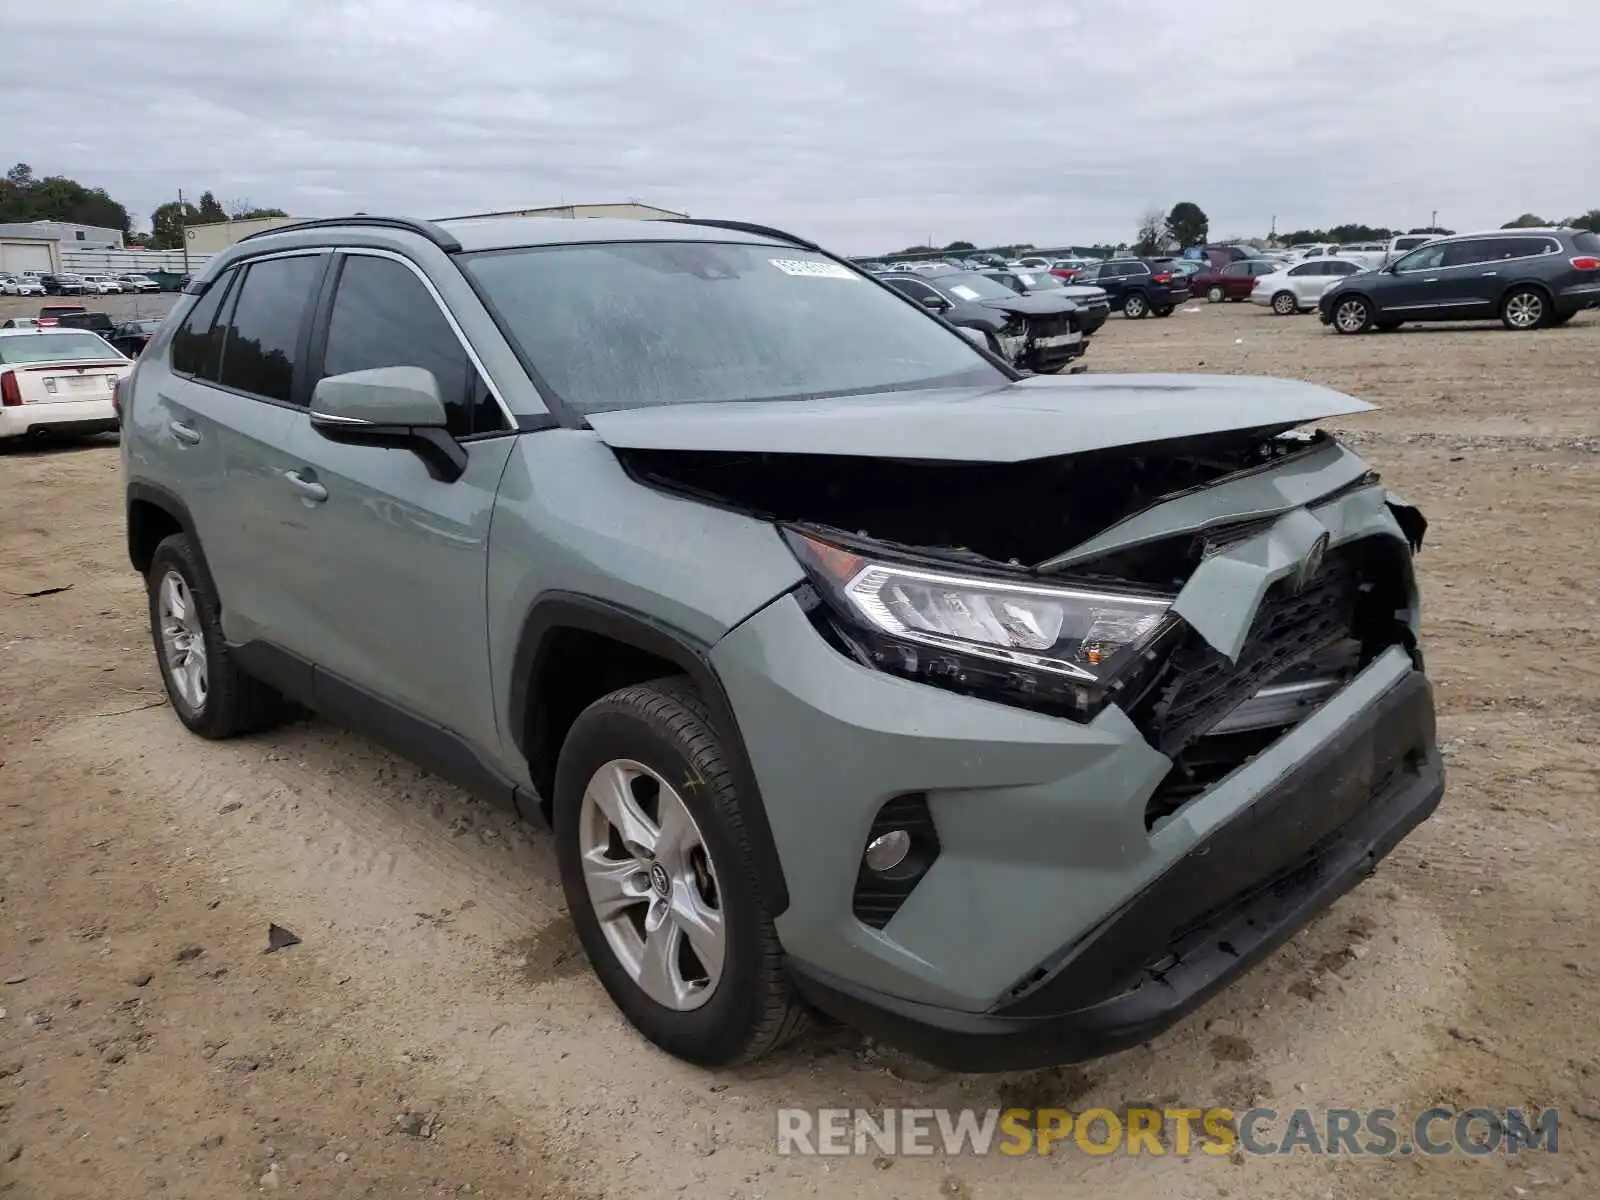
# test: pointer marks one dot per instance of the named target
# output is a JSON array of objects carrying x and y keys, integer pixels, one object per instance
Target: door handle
[
  {"x": 187, "y": 434},
  {"x": 1435, "y": 279},
  {"x": 308, "y": 488},
  {"x": 1490, "y": 274}
]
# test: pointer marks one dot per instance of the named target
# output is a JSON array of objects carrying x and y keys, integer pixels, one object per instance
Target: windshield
[
  {"x": 55, "y": 347},
  {"x": 970, "y": 286},
  {"x": 1039, "y": 281},
  {"x": 637, "y": 324}
]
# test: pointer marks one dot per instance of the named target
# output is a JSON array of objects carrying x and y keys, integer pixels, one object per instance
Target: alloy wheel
[
  {"x": 1215, "y": 295},
  {"x": 1351, "y": 316},
  {"x": 652, "y": 884},
  {"x": 1284, "y": 304},
  {"x": 1525, "y": 310},
  {"x": 1134, "y": 307},
  {"x": 183, "y": 641}
]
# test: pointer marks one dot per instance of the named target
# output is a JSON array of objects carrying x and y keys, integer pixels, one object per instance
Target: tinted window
[
  {"x": 1307, "y": 269},
  {"x": 1090, "y": 273},
  {"x": 1519, "y": 247},
  {"x": 1586, "y": 242},
  {"x": 631, "y": 324},
  {"x": 1462, "y": 254},
  {"x": 383, "y": 316},
  {"x": 912, "y": 288},
  {"x": 1339, "y": 268},
  {"x": 1135, "y": 269},
  {"x": 196, "y": 344},
  {"x": 1425, "y": 259},
  {"x": 262, "y": 336}
]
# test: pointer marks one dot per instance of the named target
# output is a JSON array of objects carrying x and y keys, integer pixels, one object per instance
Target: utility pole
[
  {"x": 1433, "y": 219},
  {"x": 183, "y": 235},
  {"x": 1272, "y": 235}
]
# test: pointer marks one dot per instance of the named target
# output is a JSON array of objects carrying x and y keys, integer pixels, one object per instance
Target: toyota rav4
[{"x": 1005, "y": 718}]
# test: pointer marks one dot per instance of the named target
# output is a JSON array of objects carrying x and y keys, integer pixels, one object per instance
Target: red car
[{"x": 1235, "y": 281}]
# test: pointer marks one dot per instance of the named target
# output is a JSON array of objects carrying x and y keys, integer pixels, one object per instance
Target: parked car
[
  {"x": 1137, "y": 286},
  {"x": 20, "y": 285},
  {"x": 49, "y": 314},
  {"x": 138, "y": 283},
  {"x": 97, "y": 322},
  {"x": 102, "y": 285},
  {"x": 1404, "y": 243},
  {"x": 1299, "y": 286},
  {"x": 1034, "y": 263},
  {"x": 1527, "y": 278},
  {"x": 132, "y": 337},
  {"x": 65, "y": 284},
  {"x": 1093, "y": 304},
  {"x": 1067, "y": 268},
  {"x": 57, "y": 381},
  {"x": 1233, "y": 282},
  {"x": 20, "y": 323},
  {"x": 1034, "y": 333},
  {"x": 822, "y": 640}
]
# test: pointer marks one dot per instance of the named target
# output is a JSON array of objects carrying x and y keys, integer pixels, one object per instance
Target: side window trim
[
  {"x": 227, "y": 281},
  {"x": 322, "y": 314},
  {"x": 240, "y": 271}
]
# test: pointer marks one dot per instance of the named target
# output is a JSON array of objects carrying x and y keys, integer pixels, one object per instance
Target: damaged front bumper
[{"x": 1059, "y": 917}]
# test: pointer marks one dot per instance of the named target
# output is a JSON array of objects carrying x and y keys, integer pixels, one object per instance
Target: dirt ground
[{"x": 436, "y": 1032}]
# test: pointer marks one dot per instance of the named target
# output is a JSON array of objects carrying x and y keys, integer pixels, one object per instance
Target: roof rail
[
  {"x": 742, "y": 227},
  {"x": 436, "y": 234}
]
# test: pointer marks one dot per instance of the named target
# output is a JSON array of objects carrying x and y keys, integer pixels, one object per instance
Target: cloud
[{"x": 866, "y": 126}]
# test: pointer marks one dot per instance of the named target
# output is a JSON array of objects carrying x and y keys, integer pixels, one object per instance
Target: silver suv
[{"x": 1005, "y": 718}]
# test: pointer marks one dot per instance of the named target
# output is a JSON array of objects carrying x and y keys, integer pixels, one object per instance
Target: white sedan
[
  {"x": 1297, "y": 288},
  {"x": 102, "y": 285},
  {"x": 20, "y": 285},
  {"x": 60, "y": 380}
]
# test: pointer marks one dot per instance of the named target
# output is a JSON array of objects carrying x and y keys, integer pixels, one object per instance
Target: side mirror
[
  {"x": 394, "y": 407},
  {"x": 935, "y": 303}
]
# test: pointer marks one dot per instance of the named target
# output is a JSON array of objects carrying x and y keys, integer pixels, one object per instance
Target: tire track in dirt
[{"x": 447, "y": 918}]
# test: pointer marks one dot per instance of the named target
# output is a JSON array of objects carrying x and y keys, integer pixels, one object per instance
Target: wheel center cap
[{"x": 660, "y": 880}]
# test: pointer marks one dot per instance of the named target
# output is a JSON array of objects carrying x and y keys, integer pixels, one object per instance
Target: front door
[{"x": 392, "y": 574}]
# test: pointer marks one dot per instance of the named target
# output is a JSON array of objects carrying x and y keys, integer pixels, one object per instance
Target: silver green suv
[{"x": 1003, "y": 717}]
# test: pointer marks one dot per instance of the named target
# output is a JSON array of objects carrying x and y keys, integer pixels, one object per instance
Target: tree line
[{"x": 27, "y": 197}]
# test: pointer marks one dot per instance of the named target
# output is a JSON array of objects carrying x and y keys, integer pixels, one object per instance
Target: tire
[
  {"x": 1286, "y": 304},
  {"x": 1216, "y": 295},
  {"x": 227, "y": 701},
  {"x": 1525, "y": 308},
  {"x": 642, "y": 737},
  {"x": 1164, "y": 310},
  {"x": 1135, "y": 306},
  {"x": 1352, "y": 314}
]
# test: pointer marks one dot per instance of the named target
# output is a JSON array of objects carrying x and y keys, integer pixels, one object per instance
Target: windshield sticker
[
  {"x": 964, "y": 292},
  {"x": 817, "y": 270}
]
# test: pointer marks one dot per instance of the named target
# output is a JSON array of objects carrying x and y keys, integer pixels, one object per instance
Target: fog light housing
[{"x": 888, "y": 850}]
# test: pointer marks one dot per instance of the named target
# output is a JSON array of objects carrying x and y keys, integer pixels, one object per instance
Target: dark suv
[
  {"x": 1137, "y": 286},
  {"x": 1526, "y": 277}
]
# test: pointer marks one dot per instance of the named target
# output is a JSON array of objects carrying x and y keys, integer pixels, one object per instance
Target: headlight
[{"x": 1061, "y": 648}]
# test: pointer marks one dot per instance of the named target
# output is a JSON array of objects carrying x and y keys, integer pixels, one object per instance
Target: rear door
[
  {"x": 220, "y": 424},
  {"x": 390, "y": 563}
]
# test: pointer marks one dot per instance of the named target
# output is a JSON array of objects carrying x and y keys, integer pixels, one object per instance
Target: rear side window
[
  {"x": 383, "y": 316},
  {"x": 262, "y": 334},
  {"x": 197, "y": 345},
  {"x": 1340, "y": 268},
  {"x": 1588, "y": 243}
]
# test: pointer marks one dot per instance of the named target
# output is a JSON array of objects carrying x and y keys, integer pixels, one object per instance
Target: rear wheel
[
  {"x": 660, "y": 882},
  {"x": 209, "y": 691},
  {"x": 1135, "y": 306},
  {"x": 1285, "y": 304},
  {"x": 1164, "y": 310},
  {"x": 1525, "y": 308},
  {"x": 1352, "y": 315},
  {"x": 1216, "y": 295}
]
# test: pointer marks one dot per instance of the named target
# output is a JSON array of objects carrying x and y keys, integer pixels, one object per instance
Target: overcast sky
[{"x": 868, "y": 125}]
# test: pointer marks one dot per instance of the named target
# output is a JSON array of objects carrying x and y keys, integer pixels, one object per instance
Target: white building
[
  {"x": 24, "y": 248},
  {"x": 76, "y": 237}
]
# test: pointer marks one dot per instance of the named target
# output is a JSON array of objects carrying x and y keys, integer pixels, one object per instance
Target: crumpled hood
[
  {"x": 1036, "y": 417},
  {"x": 1034, "y": 304}
]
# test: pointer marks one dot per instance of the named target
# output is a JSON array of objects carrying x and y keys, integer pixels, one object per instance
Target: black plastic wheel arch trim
[
  {"x": 567, "y": 610},
  {"x": 161, "y": 498}
]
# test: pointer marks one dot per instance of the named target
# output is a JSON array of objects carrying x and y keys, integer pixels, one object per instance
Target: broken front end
[{"x": 1054, "y": 749}]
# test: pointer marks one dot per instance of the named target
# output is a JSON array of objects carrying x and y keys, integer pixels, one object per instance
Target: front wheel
[
  {"x": 1524, "y": 309},
  {"x": 1285, "y": 304},
  {"x": 1215, "y": 295},
  {"x": 1352, "y": 315},
  {"x": 1135, "y": 307},
  {"x": 659, "y": 878}
]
